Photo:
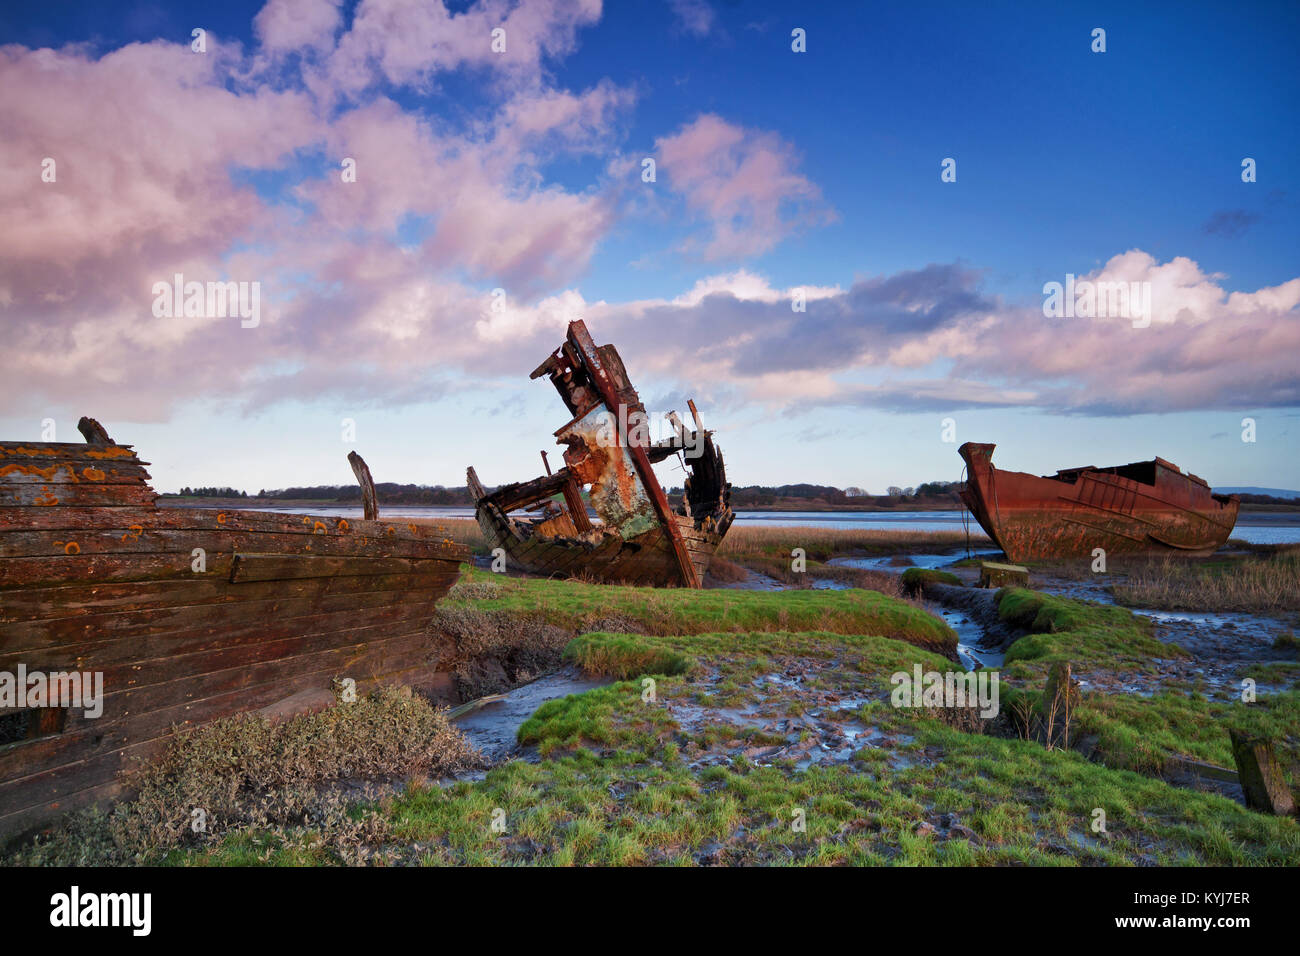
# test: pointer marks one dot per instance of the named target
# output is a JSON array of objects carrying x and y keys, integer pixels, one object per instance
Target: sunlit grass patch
[
  {"x": 1067, "y": 629},
  {"x": 676, "y": 611}
]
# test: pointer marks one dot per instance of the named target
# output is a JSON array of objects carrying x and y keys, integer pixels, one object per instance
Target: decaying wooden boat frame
[
  {"x": 189, "y": 614},
  {"x": 640, "y": 537}
]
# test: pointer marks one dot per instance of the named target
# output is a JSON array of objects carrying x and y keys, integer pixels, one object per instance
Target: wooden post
[
  {"x": 1260, "y": 773},
  {"x": 546, "y": 462},
  {"x": 93, "y": 431},
  {"x": 369, "y": 501}
]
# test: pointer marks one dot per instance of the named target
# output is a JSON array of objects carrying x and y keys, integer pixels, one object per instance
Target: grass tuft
[{"x": 623, "y": 656}]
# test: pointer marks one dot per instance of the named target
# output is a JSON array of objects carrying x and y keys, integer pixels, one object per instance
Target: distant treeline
[
  {"x": 1268, "y": 500},
  {"x": 749, "y": 496},
  {"x": 213, "y": 493},
  {"x": 759, "y": 495},
  {"x": 932, "y": 494},
  {"x": 388, "y": 492}
]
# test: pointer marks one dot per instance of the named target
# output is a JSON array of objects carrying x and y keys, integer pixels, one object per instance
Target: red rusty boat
[{"x": 1147, "y": 506}]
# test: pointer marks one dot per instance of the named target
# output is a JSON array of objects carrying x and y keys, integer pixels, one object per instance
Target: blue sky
[{"x": 1066, "y": 159}]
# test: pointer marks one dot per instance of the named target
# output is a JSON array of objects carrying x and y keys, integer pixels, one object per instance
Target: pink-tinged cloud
[
  {"x": 743, "y": 183},
  {"x": 408, "y": 42},
  {"x": 488, "y": 214},
  {"x": 147, "y": 186},
  {"x": 143, "y": 164},
  {"x": 286, "y": 25},
  {"x": 1205, "y": 347}
]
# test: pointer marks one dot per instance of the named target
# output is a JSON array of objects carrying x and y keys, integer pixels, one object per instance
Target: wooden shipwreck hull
[
  {"x": 1147, "y": 506},
  {"x": 639, "y": 537},
  {"x": 185, "y": 614}
]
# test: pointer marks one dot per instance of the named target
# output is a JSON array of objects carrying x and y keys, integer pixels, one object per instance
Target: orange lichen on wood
[{"x": 46, "y": 473}]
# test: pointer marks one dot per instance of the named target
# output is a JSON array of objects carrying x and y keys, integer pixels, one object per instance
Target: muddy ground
[{"x": 1220, "y": 650}]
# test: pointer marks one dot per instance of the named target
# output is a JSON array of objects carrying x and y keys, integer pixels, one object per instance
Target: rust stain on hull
[
  {"x": 640, "y": 537},
  {"x": 1144, "y": 507},
  {"x": 189, "y": 614}
]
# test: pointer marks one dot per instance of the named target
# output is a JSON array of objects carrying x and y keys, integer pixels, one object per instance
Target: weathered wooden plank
[
  {"x": 63, "y": 471},
  {"x": 95, "y": 578},
  {"x": 133, "y": 685},
  {"x": 78, "y": 600},
  {"x": 1263, "y": 783},
  {"x": 282, "y": 567},
  {"x": 623, "y": 563},
  {"x": 510, "y": 497},
  {"x": 73, "y": 450},
  {"x": 262, "y": 623},
  {"x": 14, "y": 495},
  {"x": 147, "y": 633},
  {"x": 44, "y": 819},
  {"x": 164, "y": 518},
  {"x": 46, "y": 543},
  {"x": 139, "y": 566}
]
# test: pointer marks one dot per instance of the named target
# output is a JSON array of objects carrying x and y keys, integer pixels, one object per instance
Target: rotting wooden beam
[
  {"x": 475, "y": 486},
  {"x": 93, "y": 431},
  {"x": 577, "y": 507},
  {"x": 662, "y": 450},
  {"x": 510, "y": 497},
  {"x": 369, "y": 500},
  {"x": 600, "y": 378},
  {"x": 695, "y": 414}
]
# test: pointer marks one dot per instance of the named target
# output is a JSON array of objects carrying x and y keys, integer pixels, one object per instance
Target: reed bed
[
  {"x": 461, "y": 530},
  {"x": 745, "y": 542},
  {"x": 1258, "y": 584},
  {"x": 748, "y": 542}
]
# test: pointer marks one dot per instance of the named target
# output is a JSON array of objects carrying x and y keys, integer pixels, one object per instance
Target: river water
[{"x": 1257, "y": 527}]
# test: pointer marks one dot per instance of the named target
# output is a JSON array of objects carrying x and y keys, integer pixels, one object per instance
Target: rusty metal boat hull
[
  {"x": 188, "y": 614},
  {"x": 1144, "y": 507},
  {"x": 638, "y": 536}
]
